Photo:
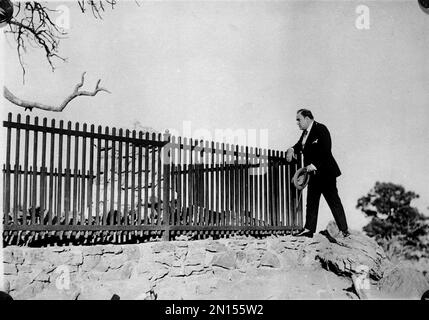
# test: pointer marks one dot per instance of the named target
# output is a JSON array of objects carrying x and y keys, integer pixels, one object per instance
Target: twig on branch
[
  {"x": 95, "y": 6},
  {"x": 76, "y": 93}
]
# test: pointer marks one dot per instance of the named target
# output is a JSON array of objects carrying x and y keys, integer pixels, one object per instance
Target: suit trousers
[{"x": 327, "y": 186}]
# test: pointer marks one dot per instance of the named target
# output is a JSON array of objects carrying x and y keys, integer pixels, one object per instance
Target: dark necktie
[{"x": 303, "y": 137}]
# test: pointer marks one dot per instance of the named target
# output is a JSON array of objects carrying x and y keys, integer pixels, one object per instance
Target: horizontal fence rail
[{"x": 61, "y": 177}]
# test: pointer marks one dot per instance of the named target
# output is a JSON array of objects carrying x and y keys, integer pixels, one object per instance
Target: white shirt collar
[{"x": 309, "y": 127}]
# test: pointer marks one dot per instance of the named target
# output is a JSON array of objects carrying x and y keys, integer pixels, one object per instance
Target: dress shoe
[{"x": 305, "y": 233}]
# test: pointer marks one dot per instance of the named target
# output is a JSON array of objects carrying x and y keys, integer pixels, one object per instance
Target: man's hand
[
  {"x": 289, "y": 154},
  {"x": 311, "y": 168}
]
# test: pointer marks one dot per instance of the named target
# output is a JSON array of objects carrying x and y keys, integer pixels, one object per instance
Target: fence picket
[
  {"x": 91, "y": 175},
  {"x": 272, "y": 188},
  {"x": 258, "y": 198},
  {"x": 236, "y": 196},
  {"x": 59, "y": 175},
  {"x": 98, "y": 183},
  {"x": 126, "y": 173},
  {"x": 195, "y": 181},
  {"x": 119, "y": 184},
  {"x": 282, "y": 189},
  {"x": 222, "y": 187},
  {"x": 20, "y": 188},
  {"x": 178, "y": 178},
  {"x": 43, "y": 169},
  {"x": 231, "y": 185},
  {"x": 159, "y": 166},
  {"x": 26, "y": 157},
  {"x": 112, "y": 180},
  {"x": 105, "y": 176},
  {"x": 191, "y": 184},
  {"x": 16, "y": 172},
  {"x": 8, "y": 173},
  {"x": 208, "y": 183},
  {"x": 172, "y": 190},
  {"x": 152, "y": 198},
  {"x": 276, "y": 179},
  {"x": 83, "y": 178},
  {"x": 217, "y": 191},
  {"x": 77, "y": 203},
  {"x": 146, "y": 180},
  {"x": 75, "y": 179},
  {"x": 139, "y": 181},
  {"x": 265, "y": 192},
  {"x": 56, "y": 195},
  {"x": 34, "y": 189},
  {"x": 5, "y": 215},
  {"x": 133, "y": 180},
  {"x": 250, "y": 175},
  {"x": 51, "y": 172},
  {"x": 67, "y": 178},
  {"x": 30, "y": 194},
  {"x": 186, "y": 203},
  {"x": 246, "y": 187}
]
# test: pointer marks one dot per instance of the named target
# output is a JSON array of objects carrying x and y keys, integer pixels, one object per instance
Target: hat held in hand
[{"x": 300, "y": 178}]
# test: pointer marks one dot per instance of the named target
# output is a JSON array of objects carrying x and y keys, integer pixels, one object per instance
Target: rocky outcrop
[
  {"x": 352, "y": 255},
  {"x": 324, "y": 267},
  {"x": 403, "y": 282}
]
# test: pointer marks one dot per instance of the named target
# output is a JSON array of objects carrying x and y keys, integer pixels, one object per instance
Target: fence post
[
  {"x": 166, "y": 185},
  {"x": 6, "y": 204}
]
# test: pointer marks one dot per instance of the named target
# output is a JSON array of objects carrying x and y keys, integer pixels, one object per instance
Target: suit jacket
[{"x": 317, "y": 151}]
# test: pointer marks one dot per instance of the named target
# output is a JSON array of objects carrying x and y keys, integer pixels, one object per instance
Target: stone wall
[{"x": 239, "y": 268}]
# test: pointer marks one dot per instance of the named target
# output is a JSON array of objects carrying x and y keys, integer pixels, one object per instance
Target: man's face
[{"x": 302, "y": 122}]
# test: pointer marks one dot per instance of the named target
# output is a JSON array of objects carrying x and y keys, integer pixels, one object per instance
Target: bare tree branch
[
  {"x": 76, "y": 93},
  {"x": 33, "y": 24}
]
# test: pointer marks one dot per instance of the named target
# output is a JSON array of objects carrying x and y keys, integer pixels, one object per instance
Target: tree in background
[{"x": 397, "y": 226}]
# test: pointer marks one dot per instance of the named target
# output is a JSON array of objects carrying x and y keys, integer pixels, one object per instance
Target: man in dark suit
[{"x": 315, "y": 144}]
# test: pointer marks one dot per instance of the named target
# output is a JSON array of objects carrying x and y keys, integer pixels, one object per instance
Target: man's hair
[{"x": 305, "y": 113}]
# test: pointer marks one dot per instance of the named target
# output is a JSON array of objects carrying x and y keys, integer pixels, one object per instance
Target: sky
[{"x": 201, "y": 67}]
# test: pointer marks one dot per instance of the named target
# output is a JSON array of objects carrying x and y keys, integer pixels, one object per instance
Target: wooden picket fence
[{"x": 72, "y": 179}]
